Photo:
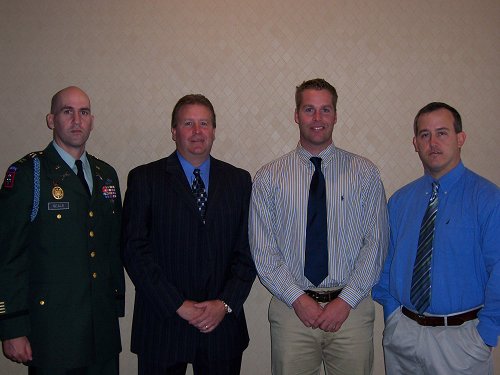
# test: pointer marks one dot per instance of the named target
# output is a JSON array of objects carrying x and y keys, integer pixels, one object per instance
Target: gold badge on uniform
[{"x": 57, "y": 192}]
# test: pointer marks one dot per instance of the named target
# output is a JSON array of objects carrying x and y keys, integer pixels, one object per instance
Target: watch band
[{"x": 227, "y": 308}]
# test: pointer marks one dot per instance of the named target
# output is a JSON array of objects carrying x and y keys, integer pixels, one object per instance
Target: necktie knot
[
  {"x": 316, "y": 162},
  {"x": 79, "y": 166},
  {"x": 435, "y": 189}
]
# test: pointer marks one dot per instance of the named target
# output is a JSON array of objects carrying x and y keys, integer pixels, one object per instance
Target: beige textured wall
[{"x": 136, "y": 58}]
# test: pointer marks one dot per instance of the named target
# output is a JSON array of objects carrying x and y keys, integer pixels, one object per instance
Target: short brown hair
[
  {"x": 434, "y": 106},
  {"x": 316, "y": 84},
  {"x": 188, "y": 100}
]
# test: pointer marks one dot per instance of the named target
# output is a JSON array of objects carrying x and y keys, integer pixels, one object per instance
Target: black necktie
[
  {"x": 81, "y": 176},
  {"x": 420, "y": 294},
  {"x": 316, "y": 262},
  {"x": 198, "y": 188}
]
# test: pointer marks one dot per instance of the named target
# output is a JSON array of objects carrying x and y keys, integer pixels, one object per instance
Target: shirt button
[
  {"x": 92, "y": 254},
  {"x": 94, "y": 275},
  {"x": 59, "y": 216},
  {"x": 42, "y": 302},
  {"x": 91, "y": 214},
  {"x": 91, "y": 234}
]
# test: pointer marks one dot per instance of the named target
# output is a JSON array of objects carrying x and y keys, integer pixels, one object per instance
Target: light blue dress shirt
[
  {"x": 188, "y": 171},
  {"x": 70, "y": 160}
]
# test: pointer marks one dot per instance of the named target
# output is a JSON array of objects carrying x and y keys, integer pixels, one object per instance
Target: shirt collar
[
  {"x": 326, "y": 155},
  {"x": 447, "y": 181},
  {"x": 70, "y": 160},
  {"x": 188, "y": 169}
]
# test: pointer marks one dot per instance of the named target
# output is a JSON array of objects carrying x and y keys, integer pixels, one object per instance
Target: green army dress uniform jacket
[{"x": 61, "y": 277}]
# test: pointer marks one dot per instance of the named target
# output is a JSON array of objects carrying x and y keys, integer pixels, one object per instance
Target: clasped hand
[
  {"x": 205, "y": 316},
  {"x": 328, "y": 318}
]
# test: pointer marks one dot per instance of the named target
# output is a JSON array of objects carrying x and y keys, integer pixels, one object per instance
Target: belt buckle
[
  {"x": 323, "y": 296},
  {"x": 320, "y": 296}
]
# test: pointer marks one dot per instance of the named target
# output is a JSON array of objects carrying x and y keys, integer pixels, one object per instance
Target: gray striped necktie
[{"x": 420, "y": 294}]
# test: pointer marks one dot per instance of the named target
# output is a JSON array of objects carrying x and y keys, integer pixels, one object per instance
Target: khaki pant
[
  {"x": 297, "y": 349},
  {"x": 410, "y": 348}
]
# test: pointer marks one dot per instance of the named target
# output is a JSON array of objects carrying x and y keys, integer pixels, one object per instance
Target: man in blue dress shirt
[{"x": 454, "y": 331}]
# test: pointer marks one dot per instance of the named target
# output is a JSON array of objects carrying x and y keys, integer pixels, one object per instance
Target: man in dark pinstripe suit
[{"x": 189, "y": 257}]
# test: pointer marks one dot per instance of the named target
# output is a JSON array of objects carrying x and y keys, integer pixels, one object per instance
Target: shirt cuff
[
  {"x": 291, "y": 294},
  {"x": 351, "y": 296},
  {"x": 488, "y": 334}
]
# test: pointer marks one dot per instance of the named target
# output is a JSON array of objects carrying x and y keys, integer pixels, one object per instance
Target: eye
[
  {"x": 308, "y": 109},
  {"x": 188, "y": 123},
  {"x": 67, "y": 111},
  {"x": 326, "y": 110},
  {"x": 85, "y": 112}
]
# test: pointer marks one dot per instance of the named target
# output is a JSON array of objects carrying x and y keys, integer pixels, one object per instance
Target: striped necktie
[
  {"x": 420, "y": 294},
  {"x": 198, "y": 189}
]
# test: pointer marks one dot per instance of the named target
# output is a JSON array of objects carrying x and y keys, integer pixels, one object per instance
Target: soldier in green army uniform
[{"x": 61, "y": 277}]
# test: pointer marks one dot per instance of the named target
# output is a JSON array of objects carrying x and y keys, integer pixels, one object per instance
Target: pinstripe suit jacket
[{"x": 171, "y": 256}]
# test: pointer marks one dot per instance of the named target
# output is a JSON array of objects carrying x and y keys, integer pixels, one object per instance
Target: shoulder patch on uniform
[{"x": 10, "y": 176}]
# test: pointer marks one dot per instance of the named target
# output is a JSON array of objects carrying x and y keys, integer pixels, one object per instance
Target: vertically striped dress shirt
[{"x": 357, "y": 223}]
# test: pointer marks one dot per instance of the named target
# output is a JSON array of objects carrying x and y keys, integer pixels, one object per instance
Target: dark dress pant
[
  {"x": 200, "y": 367},
  {"x": 108, "y": 368}
]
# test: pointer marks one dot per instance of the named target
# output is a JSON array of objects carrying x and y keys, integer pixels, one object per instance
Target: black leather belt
[
  {"x": 325, "y": 296},
  {"x": 437, "y": 321}
]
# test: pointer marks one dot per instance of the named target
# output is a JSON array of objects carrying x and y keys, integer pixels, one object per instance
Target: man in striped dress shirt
[{"x": 330, "y": 322}]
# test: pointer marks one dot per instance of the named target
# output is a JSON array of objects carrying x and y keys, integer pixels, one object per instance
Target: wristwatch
[{"x": 227, "y": 308}]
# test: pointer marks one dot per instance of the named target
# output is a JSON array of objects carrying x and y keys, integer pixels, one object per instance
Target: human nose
[
  {"x": 77, "y": 118},
  {"x": 196, "y": 128},
  {"x": 432, "y": 140},
  {"x": 317, "y": 115}
]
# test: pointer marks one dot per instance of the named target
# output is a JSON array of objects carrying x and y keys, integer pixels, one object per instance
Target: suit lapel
[
  {"x": 98, "y": 180},
  {"x": 216, "y": 187}
]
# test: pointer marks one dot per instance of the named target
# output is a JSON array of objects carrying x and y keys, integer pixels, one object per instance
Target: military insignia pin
[{"x": 57, "y": 192}]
